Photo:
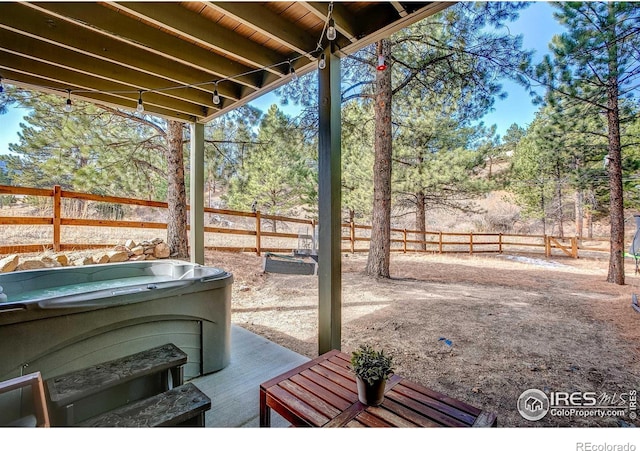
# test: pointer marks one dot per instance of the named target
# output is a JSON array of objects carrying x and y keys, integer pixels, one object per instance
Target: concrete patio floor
[{"x": 235, "y": 390}]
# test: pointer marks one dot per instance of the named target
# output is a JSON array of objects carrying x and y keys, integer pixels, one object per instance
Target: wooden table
[{"x": 322, "y": 393}]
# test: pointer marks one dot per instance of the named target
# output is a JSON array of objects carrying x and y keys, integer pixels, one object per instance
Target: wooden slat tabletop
[{"x": 323, "y": 393}]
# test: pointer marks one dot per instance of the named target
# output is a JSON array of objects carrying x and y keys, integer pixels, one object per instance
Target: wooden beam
[
  {"x": 108, "y": 22},
  {"x": 263, "y": 20},
  {"x": 29, "y": 22},
  {"x": 373, "y": 35},
  {"x": 401, "y": 11},
  {"x": 52, "y": 86},
  {"x": 192, "y": 26},
  {"x": 329, "y": 203},
  {"x": 70, "y": 63},
  {"x": 345, "y": 22}
]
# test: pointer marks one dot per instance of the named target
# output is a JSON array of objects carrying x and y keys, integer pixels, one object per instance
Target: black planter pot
[{"x": 370, "y": 394}]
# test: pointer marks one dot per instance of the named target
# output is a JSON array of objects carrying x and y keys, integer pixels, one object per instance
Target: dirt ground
[{"x": 514, "y": 323}]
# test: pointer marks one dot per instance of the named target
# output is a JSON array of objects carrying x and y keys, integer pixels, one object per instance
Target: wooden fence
[{"x": 354, "y": 236}]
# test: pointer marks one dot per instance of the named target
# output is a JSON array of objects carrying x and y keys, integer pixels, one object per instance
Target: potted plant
[{"x": 372, "y": 369}]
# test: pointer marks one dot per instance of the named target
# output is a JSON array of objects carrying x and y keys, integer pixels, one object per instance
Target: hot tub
[{"x": 62, "y": 319}]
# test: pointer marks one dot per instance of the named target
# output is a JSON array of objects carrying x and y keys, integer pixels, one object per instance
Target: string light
[
  {"x": 331, "y": 29},
  {"x": 329, "y": 26},
  {"x": 322, "y": 62},
  {"x": 292, "y": 71},
  {"x": 216, "y": 96},
  {"x": 68, "y": 107},
  {"x": 140, "y": 107}
]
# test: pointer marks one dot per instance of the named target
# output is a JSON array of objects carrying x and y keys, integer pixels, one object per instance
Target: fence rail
[{"x": 354, "y": 235}]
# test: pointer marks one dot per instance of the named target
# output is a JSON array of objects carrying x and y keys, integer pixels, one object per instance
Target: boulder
[
  {"x": 118, "y": 256},
  {"x": 137, "y": 258},
  {"x": 9, "y": 263},
  {"x": 49, "y": 262},
  {"x": 32, "y": 263},
  {"x": 62, "y": 259},
  {"x": 101, "y": 258},
  {"x": 137, "y": 250},
  {"x": 130, "y": 244},
  {"x": 83, "y": 261},
  {"x": 161, "y": 250}
]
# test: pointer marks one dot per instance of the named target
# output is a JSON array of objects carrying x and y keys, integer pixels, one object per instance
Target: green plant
[{"x": 371, "y": 365}]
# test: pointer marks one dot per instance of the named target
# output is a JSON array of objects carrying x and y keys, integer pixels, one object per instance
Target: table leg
[{"x": 265, "y": 411}]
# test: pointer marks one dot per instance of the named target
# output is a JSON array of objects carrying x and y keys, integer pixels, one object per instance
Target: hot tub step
[
  {"x": 93, "y": 390},
  {"x": 184, "y": 405}
]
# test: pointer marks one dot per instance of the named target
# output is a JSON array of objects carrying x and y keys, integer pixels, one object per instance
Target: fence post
[
  {"x": 500, "y": 243},
  {"x": 440, "y": 242},
  {"x": 574, "y": 247},
  {"x": 258, "y": 244},
  {"x": 57, "y": 203},
  {"x": 404, "y": 234},
  {"x": 470, "y": 243},
  {"x": 314, "y": 241},
  {"x": 352, "y": 236},
  {"x": 547, "y": 246}
]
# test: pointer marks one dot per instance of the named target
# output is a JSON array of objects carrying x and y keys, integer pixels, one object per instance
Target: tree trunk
[
  {"x": 421, "y": 219},
  {"x": 616, "y": 258},
  {"x": 559, "y": 208},
  {"x": 542, "y": 209},
  {"x": 379, "y": 247},
  {"x": 579, "y": 212},
  {"x": 589, "y": 218},
  {"x": 177, "y": 237},
  {"x": 616, "y": 253}
]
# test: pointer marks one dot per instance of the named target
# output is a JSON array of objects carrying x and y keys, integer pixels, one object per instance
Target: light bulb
[
  {"x": 381, "y": 64},
  {"x": 140, "y": 107},
  {"x": 216, "y": 97},
  {"x": 292, "y": 71},
  {"x": 331, "y": 30},
  {"x": 68, "y": 107},
  {"x": 322, "y": 63}
]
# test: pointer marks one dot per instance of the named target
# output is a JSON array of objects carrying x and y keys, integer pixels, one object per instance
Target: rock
[
  {"x": 137, "y": 258},
  {"x": 118, "y": 256},
  {"x": 49, "y": 262},
  {"x": 62, "y": 259},
  {"x": 100, "y": 259},
  {"x": 120, "y": 248},
  {"x": 32, "y": 263},
  {"x": 161, "y": 250},
  {"x": 9, "y": 263},
  {"x": 130, "y": 244},
  {"x": 137, "y": 250},
  {"x": 83, "y": 261}
]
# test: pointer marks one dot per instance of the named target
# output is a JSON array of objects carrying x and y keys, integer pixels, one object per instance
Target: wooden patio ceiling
[{"x": 174, "y": 55}]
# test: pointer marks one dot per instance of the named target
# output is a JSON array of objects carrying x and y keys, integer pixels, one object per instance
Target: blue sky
[{"x": 536, "y": 24}]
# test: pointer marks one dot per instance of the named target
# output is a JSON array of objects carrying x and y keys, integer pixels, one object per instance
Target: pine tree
[
  {"x": 596, "y": 63},
  {"x": 437, "y": 159},
  {"x": 276, "y": 176}
]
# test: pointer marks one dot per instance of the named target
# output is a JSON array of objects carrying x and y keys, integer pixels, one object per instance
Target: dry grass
[{"x": 514, "y": 325}]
